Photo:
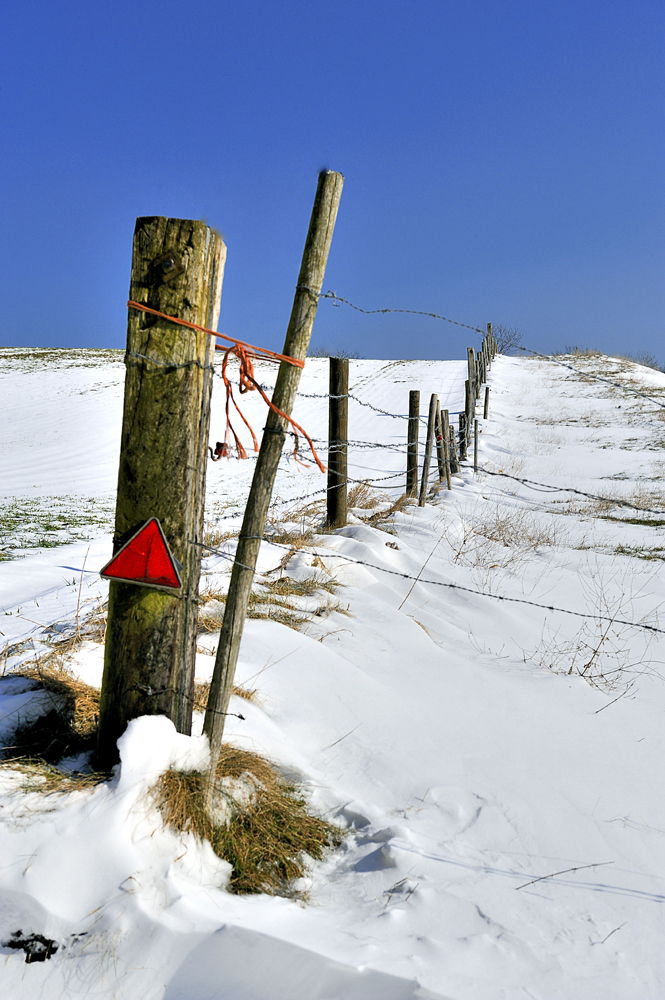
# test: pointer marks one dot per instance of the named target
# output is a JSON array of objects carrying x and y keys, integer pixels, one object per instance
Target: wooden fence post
[
  {"x": 412, "y": 445},
  {"x": 440, "y": 448},
  {"x": 431, "y": 424},
  {"x": 177, "y": 269},
  {"x": 298, "y": 335},
  {"x": 445, "y": 431},
  {"x": 475, "y": 444},
  {"x": 454, "y": 462},
  {"x": 462, "y": 437},
  {"x": 338, "y": 433},
  {"x": 486, "y": 408}
]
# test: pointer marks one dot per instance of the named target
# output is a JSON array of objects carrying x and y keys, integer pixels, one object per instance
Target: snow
[{"x": 440, "y": 726}]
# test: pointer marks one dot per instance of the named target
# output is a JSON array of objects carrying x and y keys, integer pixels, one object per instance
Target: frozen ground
[{"x": 470, "y": 745}]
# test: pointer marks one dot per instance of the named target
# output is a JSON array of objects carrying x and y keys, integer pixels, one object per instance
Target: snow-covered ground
[{"x": 497, "y": 764}]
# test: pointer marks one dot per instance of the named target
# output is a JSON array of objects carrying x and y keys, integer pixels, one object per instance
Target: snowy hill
[{"x": 496, "y": 763}]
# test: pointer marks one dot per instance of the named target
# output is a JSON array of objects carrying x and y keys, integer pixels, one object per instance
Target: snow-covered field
[{"x": 497, "y": 764}]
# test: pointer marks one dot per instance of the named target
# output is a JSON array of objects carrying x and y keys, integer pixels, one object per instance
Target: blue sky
[{"x": 504, "y": 162}]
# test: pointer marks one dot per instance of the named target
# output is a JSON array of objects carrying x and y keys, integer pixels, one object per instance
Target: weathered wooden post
[
  {"x": 445, "y": 431},
  {"x": 462, "y": 437},
  {"x": 486, "y": 408},
  {"x": 412, "y": 445},
  {"x": 427, "y": 458},
  {"x": 298, "y": 334},
  {"x": 454, "y": 461},
  {"x": 469, "y": 405},
  {"x": 440, "y": 448},
  {"x": 177, "y": 269},
  {"x": 492, "y": 341},
  {"x": 475, "y": 444},
  {"x": 338, "y": 433}
]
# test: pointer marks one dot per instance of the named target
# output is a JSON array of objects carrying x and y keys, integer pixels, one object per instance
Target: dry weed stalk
[{"x": 601, "y": 651}]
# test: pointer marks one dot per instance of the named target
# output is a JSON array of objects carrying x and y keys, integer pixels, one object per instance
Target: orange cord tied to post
[{"x": 247, "y": 383}]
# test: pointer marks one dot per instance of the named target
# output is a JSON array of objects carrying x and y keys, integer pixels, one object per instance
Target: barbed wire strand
[
  {"x": 437, "y": 583},
  {"x": 598, "y": 378},
  {"x": 368, "y": 312}
]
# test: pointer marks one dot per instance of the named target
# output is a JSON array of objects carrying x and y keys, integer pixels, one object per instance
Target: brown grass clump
[
  {"x": 383, "y": 519},
  {"x": 362, "y": 495},
  {"x": 264, "y": 828},
  {"x": 202, "y": 691},
  {"x": 68, "y": 727}
]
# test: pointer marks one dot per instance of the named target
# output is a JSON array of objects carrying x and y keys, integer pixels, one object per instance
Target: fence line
[{"x": 451, "y": 586}]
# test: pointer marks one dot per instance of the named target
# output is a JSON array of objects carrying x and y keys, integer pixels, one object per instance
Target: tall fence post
[
  {"x": 412, "y": 445},
  {"x": 298, "y": 334},
  {"x": 177, "y": 269},
  {"x": 338, "y": 433},
  {"x": 475, "y": 444},
  {"x": 427, "y": 458},
  {"x": 486, "y": 408}
]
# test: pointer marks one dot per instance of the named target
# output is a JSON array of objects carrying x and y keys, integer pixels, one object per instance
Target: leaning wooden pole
[
  {"x": 177, "y": 269},
  {"x": 298, "y": 334},
  {"x": 338, "y": 433}
]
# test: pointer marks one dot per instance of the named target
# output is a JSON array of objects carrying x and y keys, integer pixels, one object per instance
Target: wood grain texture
[
  {"x": 338, "y": 433},
  {"x": 151, "y": 635},
  {"x": 412, "y": 443}
]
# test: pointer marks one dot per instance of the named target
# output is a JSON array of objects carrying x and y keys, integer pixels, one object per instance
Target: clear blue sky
[{"x": 503, "y": 162}]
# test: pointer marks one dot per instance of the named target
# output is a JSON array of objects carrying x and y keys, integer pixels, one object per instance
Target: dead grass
[
  {"x": 68, "y": 727},
  {"x": 497, "y": 538},
  {"x": 364, "y": 496},
  {"x": 283, "y": 600},
  {"x": 202, "y": 691},
  {"x": 262, "y": 825}
]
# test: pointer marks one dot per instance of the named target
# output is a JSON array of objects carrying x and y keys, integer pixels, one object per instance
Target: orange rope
[
  {"x": 247, "y": 383},
  {"x": 260, "y": 351}
]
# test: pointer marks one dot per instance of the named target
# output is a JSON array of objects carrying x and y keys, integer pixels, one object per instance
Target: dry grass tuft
[
  {"x": 262, "y": 825},
  {"x": 364, "y": 496},
  {"x": 68, "y": 727},
  {"x": 202, "y": 691}
]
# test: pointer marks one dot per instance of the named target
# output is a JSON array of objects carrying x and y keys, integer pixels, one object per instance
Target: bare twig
[{"x": 565, "y": 871}]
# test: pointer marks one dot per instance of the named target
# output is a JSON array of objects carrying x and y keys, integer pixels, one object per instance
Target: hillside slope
[{"x": 496, "y": 763}]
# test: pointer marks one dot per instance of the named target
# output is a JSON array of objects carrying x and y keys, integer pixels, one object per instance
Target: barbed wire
[
  {"x": 436, "y": 583},
  {"x": 337, "y": 299},
  {"x": 598, "y": 378},
  {"x": 549, "y": 488}
]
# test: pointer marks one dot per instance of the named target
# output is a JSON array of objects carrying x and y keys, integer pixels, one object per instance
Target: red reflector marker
[{"x": 146, "y": 559}]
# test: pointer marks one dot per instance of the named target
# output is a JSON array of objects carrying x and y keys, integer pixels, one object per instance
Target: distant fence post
[
  {"x": 298, "y": 335},
  {"x": 177, "y": 269},
  {"x": 454, "y": 462},
  {"x": 431, "y": 425},
  {"x": 338, "y": 434},
  {"x": 412, "y": 445},
  {"x": 462, "y": 437}
]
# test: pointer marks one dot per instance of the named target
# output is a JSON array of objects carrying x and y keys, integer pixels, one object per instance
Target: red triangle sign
[{"x": 146, "y": 559}]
